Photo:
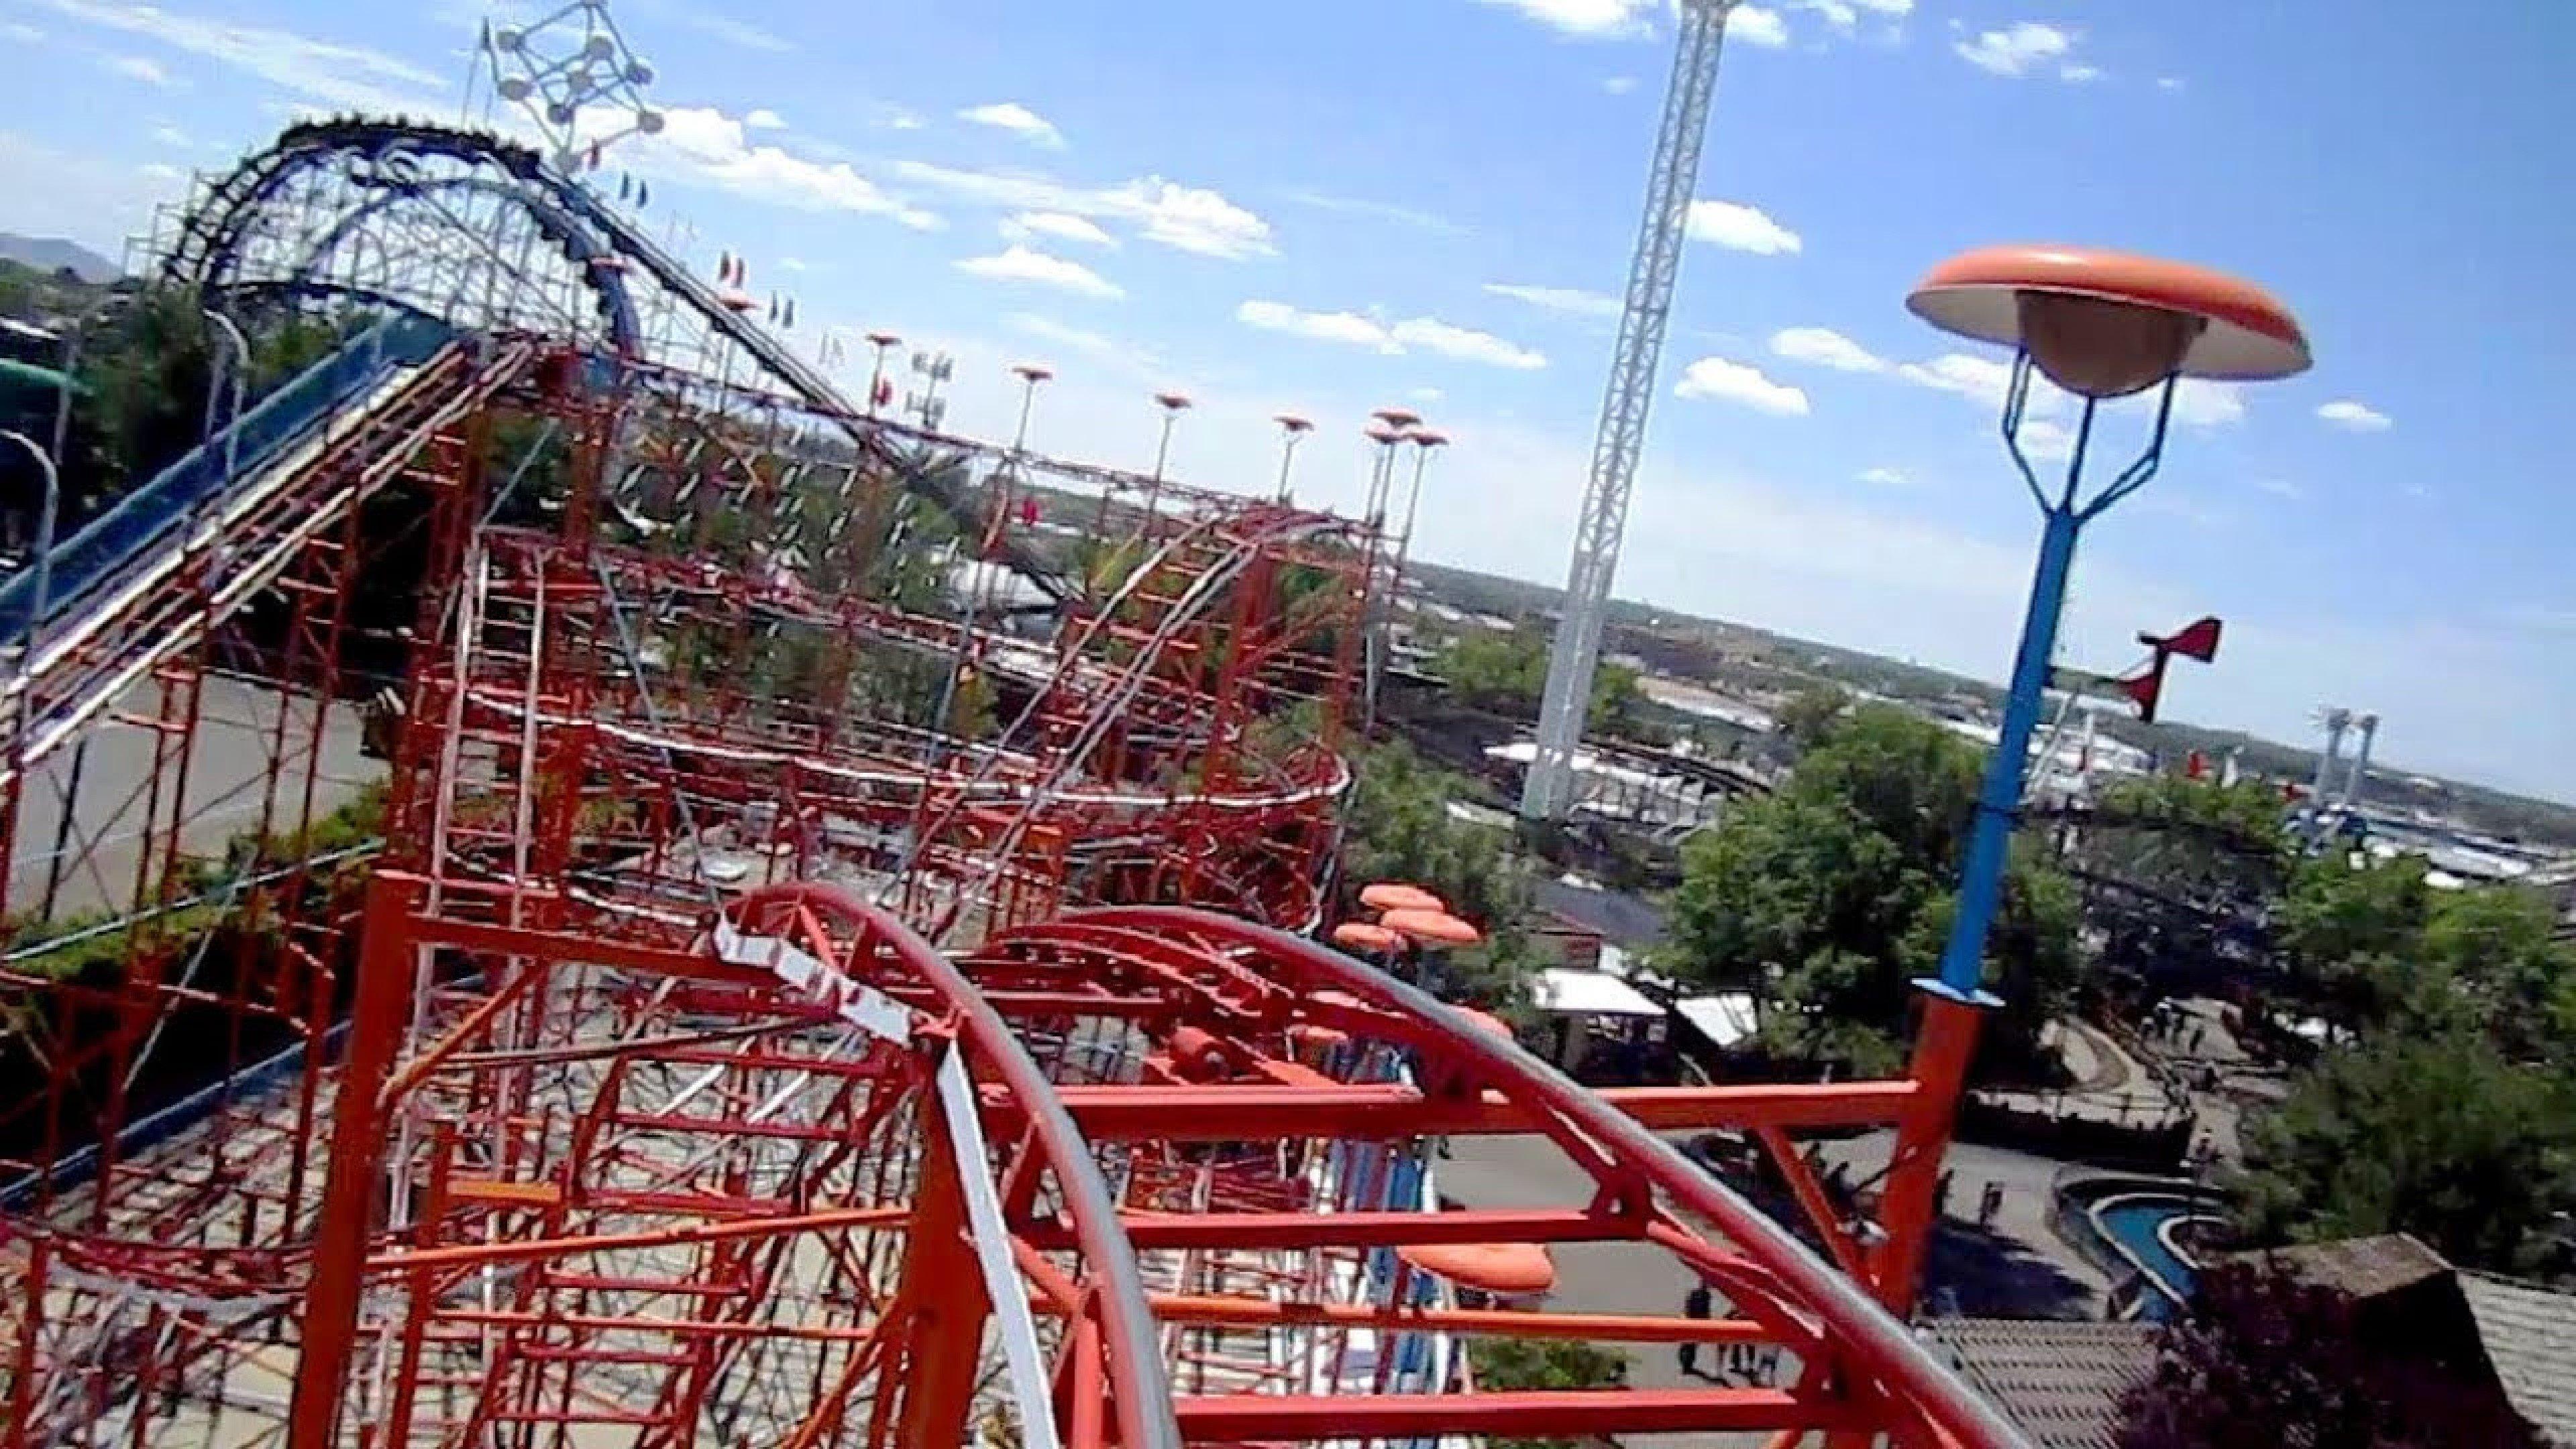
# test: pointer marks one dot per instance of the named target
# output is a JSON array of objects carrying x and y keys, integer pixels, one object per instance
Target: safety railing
[{"x": 98, "y": 553}]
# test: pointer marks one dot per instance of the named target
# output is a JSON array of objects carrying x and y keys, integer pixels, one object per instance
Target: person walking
[{"x": 1698, "y": 1305}]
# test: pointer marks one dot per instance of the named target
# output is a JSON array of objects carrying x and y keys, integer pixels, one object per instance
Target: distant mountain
[{"x": 52, "y": 254}]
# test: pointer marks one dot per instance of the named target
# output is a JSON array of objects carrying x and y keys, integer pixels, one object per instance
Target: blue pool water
[{"x": 2136, "y": 1223}]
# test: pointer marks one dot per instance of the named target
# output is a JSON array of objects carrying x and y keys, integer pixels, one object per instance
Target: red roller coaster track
[{"x": 712, "y": 1052}]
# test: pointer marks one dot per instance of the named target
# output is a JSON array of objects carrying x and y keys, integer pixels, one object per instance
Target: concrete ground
[
  {"x": 226, "y": 783},
  {"x": 2017, "y": 1269}
]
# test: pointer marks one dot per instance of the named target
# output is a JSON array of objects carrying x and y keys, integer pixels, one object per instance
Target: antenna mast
[{"x": 1549, "y": 791}]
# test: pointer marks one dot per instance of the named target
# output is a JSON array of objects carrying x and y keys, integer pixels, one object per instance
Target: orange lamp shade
[
  {"x": 2104, "y": 323},
  {"x": 1437, "y": 927},
  {"x": 1506, "y": 1270},
  {"x": 1308, "y": 1036},
  {"x": 1389, "y": 895},
  {"x": 1362, "y": 936}
]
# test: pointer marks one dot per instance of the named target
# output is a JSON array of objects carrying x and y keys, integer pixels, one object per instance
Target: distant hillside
[
  {"x": 1747, "y": 656},
  {"x": 52, "y": 254}
]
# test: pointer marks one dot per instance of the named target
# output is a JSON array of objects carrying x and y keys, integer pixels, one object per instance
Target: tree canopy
[
  {"x": 1829, "y": 897},
  {"x": 2438, "y": 1136},
  {"x": 2261, "y": 1361},
  {"x": 1398, "y": 827},
  {"x": 1506, "y": 672}
]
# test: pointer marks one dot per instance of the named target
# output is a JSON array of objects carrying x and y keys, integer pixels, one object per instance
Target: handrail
[
  {"x": 1132, "y": 1355},
  {"x": 1847, "y": 1313},
  {"x": 244, "y": 450}
]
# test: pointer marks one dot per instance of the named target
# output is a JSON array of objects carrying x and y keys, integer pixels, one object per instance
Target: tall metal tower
[{"x": 1549, "y": 792}]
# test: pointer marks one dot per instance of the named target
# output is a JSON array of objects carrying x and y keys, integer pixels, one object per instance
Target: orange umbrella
[
  {"x": 1506, "y": 1270},
  {"x": 1389, "y": 895},
  {"x": 1361, "y": 936},
  {"x": 1435, "y": 926}
]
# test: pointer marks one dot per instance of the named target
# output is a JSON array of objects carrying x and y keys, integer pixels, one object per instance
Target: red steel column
[
  {"x": 1942, "y": 1050},
  {"x": 357, "y": 1145}
]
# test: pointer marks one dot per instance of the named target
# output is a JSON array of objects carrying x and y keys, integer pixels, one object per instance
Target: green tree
[
  {"x": 2262, "y": 1360},
  {"x": 2352, "y": 931},
  {"x": 1810, "y": 714},
  {"x": 1829, "y": 898},
  {"x": 2437, "y": 1136},
  {"x": 1503, "y": 1365},
  {"x": 1398, "y": 827},
  {"x": 1506, "y": 673}
]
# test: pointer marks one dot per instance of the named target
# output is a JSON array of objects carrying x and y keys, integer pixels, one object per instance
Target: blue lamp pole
[
  {"x": 2100, "y": 325},
  {"x": 2064, "y": 510}
]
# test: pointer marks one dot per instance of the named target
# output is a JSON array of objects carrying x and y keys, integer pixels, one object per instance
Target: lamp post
[
  {"x": 2102, "y": 325},
  {"x": 44, "y": 530},
  {"x": 1388, "y": 429},
  {"x": 1292, "y": 431},
  {"x": 1423, "y": 440},
  {"x": 883, "y": 342},
  {"x": 237, "y": 376},
  {"x": 1030, "y": 375},
  {"x": 1173, "y": 405}
]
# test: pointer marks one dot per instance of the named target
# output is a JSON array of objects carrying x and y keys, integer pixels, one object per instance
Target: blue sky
[{"x": 1336, "y": 205}]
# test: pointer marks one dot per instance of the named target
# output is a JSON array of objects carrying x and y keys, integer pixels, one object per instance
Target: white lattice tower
[{"x": 1652, "y": 275}]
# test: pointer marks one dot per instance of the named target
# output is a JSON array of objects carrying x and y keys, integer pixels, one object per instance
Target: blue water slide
[{"x": 110, "y": 545}]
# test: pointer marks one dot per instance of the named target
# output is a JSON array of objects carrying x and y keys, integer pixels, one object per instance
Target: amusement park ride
[{"x": 706, "y": 1043}]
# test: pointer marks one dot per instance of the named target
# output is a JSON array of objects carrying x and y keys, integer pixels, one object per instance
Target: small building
[{"x": 2060, "y": 1383}]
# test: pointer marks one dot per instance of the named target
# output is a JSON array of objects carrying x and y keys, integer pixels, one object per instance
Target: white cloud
[
  {"x": 1893, "y": 9},
  {"x": 1825, "y": 347},
  {"x": 1466, "y": 344},
  {"x": 1978, "y": 379},
  {"x": 1345, "y": 327},
  {"x": 705, "y": 144},
  {"x": 1022, "y": 264},
  {"x": 1191, "y": 219},
  {"x": 162, "y": 171},
  {"x": 1019, "y": 120},
  {"x": 899, "y": 119},
  {"x": 1061, "y": 225},
  {"x": 1619, "y": 85},
  {"x": 1354, "y": 329},
  {"x": 1716, "y": 377},
  {"x": 1187, "y": 218},
  {"x": 1754, "y": 25},
  {"x": 2281, "y": 488},
  {"x": 1737, "y": 227},
  {"x": 1590, "y": 19},
  {"x": 727, "y": 28},
  {"x": 2168, "y": 82},
  {"x": 792, "y": 264},
  {"x": 2018, "y": 50},
  {"x": 1382, "y": 210},
  {"x": 765, "y": 119},
  {"x": 1559, "y": 299},
  {"x": 169, "y": 135},
  {"x": 2202, "y": 404},
  {"x": 1099, "y": 347},
  {"x": 1426, "y": 394},
  {"x": 346, "y": 76},
  {"x": 21, "y": 33},
  {"x": 2043, "y": 441},
  {"x": 2355, "y": 417},
  {"x": 2079, "y": 74},
  {"x": 1884, "y": 477},
  {"x": 140, "y": 68}
]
